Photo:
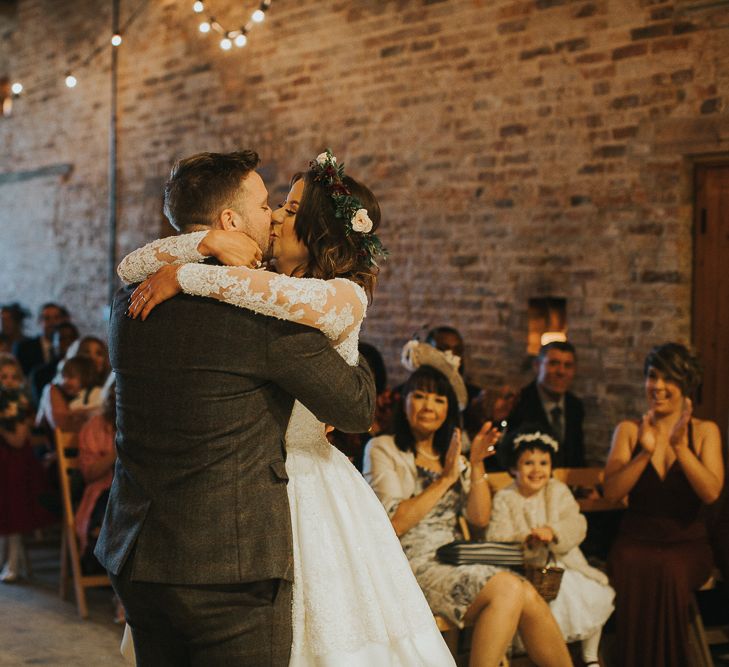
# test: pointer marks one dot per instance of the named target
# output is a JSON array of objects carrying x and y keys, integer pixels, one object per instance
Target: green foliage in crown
[{"x": 348, "y": 208}]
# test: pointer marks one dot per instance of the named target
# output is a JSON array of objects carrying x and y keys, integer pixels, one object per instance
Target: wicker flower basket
[{"x": 546, "y": 579}]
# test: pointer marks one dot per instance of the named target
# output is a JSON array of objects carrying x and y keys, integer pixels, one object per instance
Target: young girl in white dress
[
  {"x": 542, "y": 512},
  {"x": 355, "y": 599}
]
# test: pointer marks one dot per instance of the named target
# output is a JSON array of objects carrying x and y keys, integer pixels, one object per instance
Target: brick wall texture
[{"x": 519, "y": 149}]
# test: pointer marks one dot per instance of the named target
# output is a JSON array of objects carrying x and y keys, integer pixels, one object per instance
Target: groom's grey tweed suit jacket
[{"x": 204, "y": 395}]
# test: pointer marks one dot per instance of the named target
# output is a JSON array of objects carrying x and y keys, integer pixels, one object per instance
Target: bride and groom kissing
[{"x": 234, "y": 533}]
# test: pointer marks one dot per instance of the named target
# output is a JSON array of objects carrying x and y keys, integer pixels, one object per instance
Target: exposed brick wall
[{"x": 519, "y": 149}]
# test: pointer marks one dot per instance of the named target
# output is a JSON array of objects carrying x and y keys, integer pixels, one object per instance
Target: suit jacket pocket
[{"x": 279, "y": 469}]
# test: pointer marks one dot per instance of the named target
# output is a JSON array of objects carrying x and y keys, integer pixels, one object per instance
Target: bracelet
[{"x": 481, "y": 479}]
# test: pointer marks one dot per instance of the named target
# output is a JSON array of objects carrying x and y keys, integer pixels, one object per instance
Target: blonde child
[
  {"x": 73, "y": 397},
  {"x": 542, "y": 513},
  {"x": 21, "y": 476}
]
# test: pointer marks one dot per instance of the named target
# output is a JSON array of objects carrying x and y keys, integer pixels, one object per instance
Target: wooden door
[{"x": 710, "y": 317}]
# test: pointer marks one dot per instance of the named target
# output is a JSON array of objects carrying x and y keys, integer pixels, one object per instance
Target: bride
[{"x": 355, "y": 599}]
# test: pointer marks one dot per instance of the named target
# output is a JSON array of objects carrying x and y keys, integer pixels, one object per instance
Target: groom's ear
[{"x": 230, "y": 220}]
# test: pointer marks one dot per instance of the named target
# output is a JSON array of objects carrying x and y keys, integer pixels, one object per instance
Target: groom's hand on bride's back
[{"x": 231, "y": 248}]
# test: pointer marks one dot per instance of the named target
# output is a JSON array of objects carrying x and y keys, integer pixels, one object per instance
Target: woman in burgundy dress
[{"x": 669, "y": 465}]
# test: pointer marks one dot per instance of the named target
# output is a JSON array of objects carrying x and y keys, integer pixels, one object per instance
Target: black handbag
[{"x": 460, "y": 552}]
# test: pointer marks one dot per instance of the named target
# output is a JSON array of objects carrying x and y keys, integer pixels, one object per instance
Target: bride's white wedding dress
[{"x": 356, "y": 602}]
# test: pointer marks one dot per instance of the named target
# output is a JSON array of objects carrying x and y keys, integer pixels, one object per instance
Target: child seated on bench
[{"x": 542, "y": 513}]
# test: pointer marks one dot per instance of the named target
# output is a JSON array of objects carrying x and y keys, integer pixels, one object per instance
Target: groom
[{"x": 197, "y": 535}]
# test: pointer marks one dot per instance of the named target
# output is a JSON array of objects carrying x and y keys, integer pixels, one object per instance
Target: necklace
[{"x": 425, "y": 455}]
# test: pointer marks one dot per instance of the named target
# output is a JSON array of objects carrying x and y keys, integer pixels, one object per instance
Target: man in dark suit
[
  {"x": 548, "y": 403},
  {"x": 63, "y": 335},
  {"x": 197, "y": 535},
  {"x": 33, "y": 352}
]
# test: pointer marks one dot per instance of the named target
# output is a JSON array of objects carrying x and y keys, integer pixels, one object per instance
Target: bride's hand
[
  {"x": 231, "y": 248},
  {"x": 159, "y": 287}
]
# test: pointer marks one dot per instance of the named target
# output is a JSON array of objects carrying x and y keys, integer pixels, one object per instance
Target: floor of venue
[{"x": 37, "y": 627}]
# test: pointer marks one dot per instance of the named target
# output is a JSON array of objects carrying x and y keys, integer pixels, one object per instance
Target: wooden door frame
[{"x": 708, "y": 161}]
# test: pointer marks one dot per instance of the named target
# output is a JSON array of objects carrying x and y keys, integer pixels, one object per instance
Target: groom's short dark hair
[{"x": 202, "y": 185}]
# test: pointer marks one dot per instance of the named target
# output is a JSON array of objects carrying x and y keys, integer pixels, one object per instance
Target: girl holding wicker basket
[{"x": 542, "y": 513}]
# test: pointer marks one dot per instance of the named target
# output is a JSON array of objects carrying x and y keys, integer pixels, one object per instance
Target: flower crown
[
  {"x": 348, "y": 207},
  {"x": 533, "y": 437}
]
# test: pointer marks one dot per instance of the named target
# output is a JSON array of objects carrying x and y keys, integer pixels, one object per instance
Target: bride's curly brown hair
[{"x": 332, "y": 252}]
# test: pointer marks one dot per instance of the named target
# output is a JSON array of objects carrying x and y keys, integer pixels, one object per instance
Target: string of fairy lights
[
  {"x": 238, "y": 37},
  {"x": 228, "y": 38}
]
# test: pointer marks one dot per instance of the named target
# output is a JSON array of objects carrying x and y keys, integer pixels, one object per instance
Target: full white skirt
[
  {"x": 582, "y": 606},
  {"x": 355, "y": 599}
]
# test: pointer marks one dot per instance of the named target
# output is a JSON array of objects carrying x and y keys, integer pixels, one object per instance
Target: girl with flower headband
[
  {"x": 542, "y": 513},
  {"x": 355, "y": 599}
]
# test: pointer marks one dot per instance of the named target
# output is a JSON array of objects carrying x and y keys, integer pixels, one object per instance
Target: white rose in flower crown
[
  {"x": 323, "y": 157},
  {"x": 361, "y": 221}
]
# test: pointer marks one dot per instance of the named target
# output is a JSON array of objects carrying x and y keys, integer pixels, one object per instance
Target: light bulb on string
[
  {"x": 71, "y": 80},
  {"x": 198, "y": 7},
  {"x": 116, "y": 39},
  {"x": 17, "y": 88},
  {"x": 226, "y": 43},
  {"x": 205, "y": 27},
  {"x": 258, "y": 16},
  {"x": 241, "y": 40}
]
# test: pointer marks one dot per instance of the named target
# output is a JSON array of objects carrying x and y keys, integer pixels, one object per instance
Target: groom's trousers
[{"x": 246, "y": 625}]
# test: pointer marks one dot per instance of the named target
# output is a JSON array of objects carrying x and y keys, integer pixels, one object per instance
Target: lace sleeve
[
  {"x": 335, "y": 306},
  {"x": 143, "y": 262}
]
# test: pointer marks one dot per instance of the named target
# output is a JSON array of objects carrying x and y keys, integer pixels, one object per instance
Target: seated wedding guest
[
  {"x": 95, "y": 349},
  {"x": 73, "y": 397},
  {"x": 669, "y": 464},
  {"x": 424, "y": 483},
  {"x": 63, "y": 335},
  {"x": 12, "y": 316},
  {"x": 97, "y": 455},
  {"x": 542, "y": 513},
  {"x": 352, "y": 444},
  {"x": 497, "y": 404},
  {"x": 449, "y": 339},
  {"x": 32, "y": 352},
  {"x": 549, "y": 403},
  {"x": 21, "y": 476},
  {"x": 484, "y": 405}
]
